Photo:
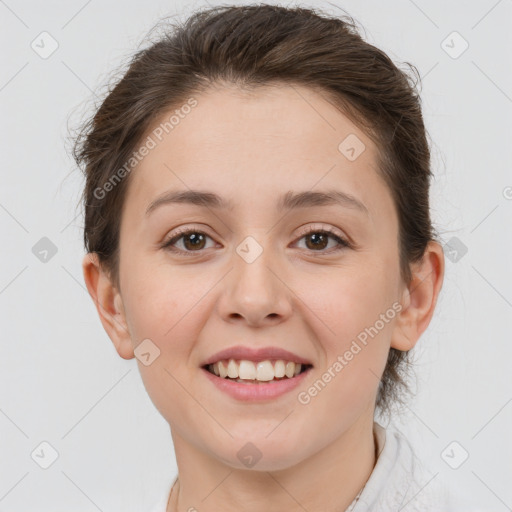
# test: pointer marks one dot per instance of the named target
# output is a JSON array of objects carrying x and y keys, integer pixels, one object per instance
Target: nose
[{"x": 255, "y": 292}]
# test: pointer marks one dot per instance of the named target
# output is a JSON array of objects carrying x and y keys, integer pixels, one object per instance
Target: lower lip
[{"x": 256, "y": 392}]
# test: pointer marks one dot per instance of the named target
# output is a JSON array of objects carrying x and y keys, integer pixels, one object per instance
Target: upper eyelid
[
  {"x": 344, "y": 240},
  {"x": 304, "y": 231},
  {"x": 317, "y": 227}
]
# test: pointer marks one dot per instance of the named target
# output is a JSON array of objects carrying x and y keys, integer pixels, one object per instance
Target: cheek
[
  {"x": 357, "y": 312},
  {"x": 155, "y": 297},
  {"x": 351, "y": 300},
  {"x": 167, "y": 308}
]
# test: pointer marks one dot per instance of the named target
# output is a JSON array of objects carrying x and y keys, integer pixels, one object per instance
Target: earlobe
[
  {"x": 109, "y": 305},
  {"x": 419, "y": 298}
]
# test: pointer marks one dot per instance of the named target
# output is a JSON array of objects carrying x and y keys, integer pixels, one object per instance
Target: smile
[
  {"x": 249, "y": 381},
  {"x": 246, "y": 371}
]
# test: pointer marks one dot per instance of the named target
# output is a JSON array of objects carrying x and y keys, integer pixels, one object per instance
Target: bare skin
[{"x": 251, "y": 149}]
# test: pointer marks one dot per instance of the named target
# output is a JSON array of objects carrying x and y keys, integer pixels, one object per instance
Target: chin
[{"x": 259, "y": 455}]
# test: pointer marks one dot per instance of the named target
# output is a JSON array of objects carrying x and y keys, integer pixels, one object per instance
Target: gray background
[{"x": 62, "y": 381}]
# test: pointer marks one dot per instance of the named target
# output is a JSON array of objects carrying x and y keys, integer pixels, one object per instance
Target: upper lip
[{"x": 255, "y": 355}]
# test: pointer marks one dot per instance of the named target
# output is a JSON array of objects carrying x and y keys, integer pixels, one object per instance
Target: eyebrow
[{"x": 288, "y": 201}]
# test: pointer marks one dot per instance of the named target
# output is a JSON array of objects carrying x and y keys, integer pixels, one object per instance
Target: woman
[{"x": 258, "y": 235}]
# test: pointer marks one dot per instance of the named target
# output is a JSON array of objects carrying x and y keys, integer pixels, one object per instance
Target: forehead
[{"x": 252, "y": 146}]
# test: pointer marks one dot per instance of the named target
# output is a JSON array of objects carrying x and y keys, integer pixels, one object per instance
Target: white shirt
[{"x": 398, "y": 482}]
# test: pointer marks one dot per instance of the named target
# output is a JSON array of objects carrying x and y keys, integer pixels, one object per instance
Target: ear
[
  {"x": 419, "y": 298},
  {"x": 109, "y": 304}
]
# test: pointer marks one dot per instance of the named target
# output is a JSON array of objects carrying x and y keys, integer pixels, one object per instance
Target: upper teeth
[{"x": 264, "y": 370}]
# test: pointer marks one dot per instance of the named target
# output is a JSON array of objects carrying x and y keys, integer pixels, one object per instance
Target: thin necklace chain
[
  {"x": 356, "y": 499},
  {"x": 376, "y": 451}
]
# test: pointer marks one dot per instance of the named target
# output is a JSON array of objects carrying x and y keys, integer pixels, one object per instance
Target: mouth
[{"x": 257, "y": 373}]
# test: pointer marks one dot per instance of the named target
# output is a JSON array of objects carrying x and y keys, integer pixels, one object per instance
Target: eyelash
[{"x": 168, "y": 245}]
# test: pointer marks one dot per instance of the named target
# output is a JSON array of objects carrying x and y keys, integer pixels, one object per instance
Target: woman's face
[{"x": 251, "y": 275}]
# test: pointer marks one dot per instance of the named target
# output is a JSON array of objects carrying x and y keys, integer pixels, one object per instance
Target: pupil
[
  {"x": 195, "y": 238},
  {"x": 316, "y": 236}
]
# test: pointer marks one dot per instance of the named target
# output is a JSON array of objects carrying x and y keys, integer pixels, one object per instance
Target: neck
[{"x": 340, "y": 469}]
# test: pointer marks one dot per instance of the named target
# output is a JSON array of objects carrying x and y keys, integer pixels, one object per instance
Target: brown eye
[
  {"x": 317, "y": 240},
  {"x": 192, "y": 241}
]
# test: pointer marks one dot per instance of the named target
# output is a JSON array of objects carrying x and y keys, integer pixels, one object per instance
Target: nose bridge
[
  {"x": 254, "y": 291},
  {"x": 252, "y": 261}
]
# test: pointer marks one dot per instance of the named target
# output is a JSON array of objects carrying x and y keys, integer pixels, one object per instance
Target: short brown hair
[{"x": 258, "y": 45}]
